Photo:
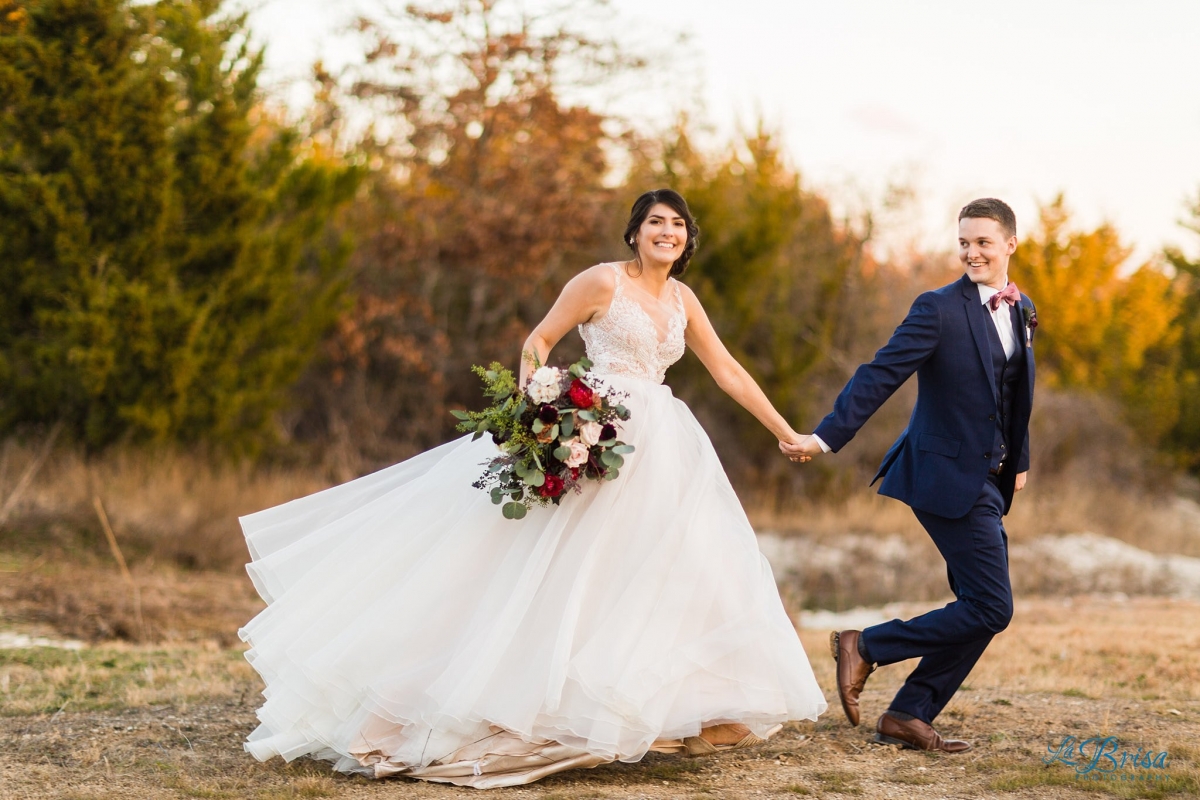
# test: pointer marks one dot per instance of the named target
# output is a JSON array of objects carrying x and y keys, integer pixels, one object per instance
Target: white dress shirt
[{"x": 1002, "y": 317}]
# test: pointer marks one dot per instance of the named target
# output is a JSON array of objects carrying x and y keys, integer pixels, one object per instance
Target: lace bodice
[{"x": 625, "y": 340}]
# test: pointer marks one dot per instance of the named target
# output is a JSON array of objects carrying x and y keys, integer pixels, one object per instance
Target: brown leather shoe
[
  {"x": 914, "y": 734},
  {"x": 852, "y": 671}
]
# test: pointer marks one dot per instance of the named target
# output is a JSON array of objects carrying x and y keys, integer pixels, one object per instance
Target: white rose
[
  {"x": 547, "y": 376},
  {"x": 590, "y": 432},
  {"x": 579, "y": 453},
  {"x": 541, "y": 393}
]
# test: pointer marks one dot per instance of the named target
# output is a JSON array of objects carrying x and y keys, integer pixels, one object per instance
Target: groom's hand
[
  {"x": 1021, "y": 478},
  {"x": 803, "y": 449}
]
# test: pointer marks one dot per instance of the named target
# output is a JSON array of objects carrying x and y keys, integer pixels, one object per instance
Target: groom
[{"x": 957, "y": 464}]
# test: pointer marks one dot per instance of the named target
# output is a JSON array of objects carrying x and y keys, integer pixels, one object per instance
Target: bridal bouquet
[{"x": 558, "y": 431}]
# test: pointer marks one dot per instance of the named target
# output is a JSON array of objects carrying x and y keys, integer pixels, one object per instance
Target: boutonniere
[{"x": 1031, "y": 322}]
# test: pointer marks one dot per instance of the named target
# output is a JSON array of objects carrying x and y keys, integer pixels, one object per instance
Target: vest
[{"x": 1008, "y": 379}]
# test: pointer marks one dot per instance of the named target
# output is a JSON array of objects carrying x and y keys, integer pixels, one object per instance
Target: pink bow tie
[{"x": 1009, "y": 294}]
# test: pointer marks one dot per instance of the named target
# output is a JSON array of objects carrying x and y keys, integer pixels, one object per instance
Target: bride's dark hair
[{"x": 674, "y": 200}]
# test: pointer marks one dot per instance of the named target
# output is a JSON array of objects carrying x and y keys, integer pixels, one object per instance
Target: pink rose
[
  {"x": 590, "y": 432},
  {"x": 579, "y": 453}
]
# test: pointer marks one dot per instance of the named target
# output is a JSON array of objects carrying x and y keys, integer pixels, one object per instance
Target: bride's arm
[
  {"x": 584, "y": 296},
  {"x": 731, "y": 376}
]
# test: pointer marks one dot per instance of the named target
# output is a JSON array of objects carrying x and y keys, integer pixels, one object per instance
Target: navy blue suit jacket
[{"x": 941, "y": 460}]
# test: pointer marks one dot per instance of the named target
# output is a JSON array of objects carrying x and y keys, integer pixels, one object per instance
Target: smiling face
[
  {"x": 662, "y": 236},
  {"x": 984, "y": 250}
]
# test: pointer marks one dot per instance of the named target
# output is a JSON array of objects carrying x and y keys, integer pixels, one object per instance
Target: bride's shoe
[{"x": 699, "y": 746}]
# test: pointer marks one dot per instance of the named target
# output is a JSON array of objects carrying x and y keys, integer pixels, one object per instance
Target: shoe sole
[
  {"x": 891, "y": 740},
  {"x": 881, "y": 739}
]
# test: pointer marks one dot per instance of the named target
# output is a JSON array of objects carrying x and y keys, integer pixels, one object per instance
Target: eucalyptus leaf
[
  {"x": 463, "y": 415},
  {"x": 491, "y": 375},
  {"x": 567, "y": 425},
  {"x": 554, "y": 432},
  {"x": 623, "y": 449},
  {"x": 477, "y": 436},
  {"x": 562, "y": 453},
  {"x": 538, "y": 426},
  {"x": 617, "y": 461},
  {"x": 520, "y": 409},
  {"x": 497, "y": 496},
  {"x": 577, "y": 370},
  {"x": 513, "y": 510},
  {"x": 611, "y": 475},
  {"x": 537, "y": 479},
  {"x": 607, "y": 458},
  {"x": 590, "y": 416}
]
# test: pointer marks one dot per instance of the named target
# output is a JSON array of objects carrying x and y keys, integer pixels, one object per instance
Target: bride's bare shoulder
[
  {"x": 603, "y": 274},
  {"x": 597, "y": 281},
  {"x": 691, "y": 302}
]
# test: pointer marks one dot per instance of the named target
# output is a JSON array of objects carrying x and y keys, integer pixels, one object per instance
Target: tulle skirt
[{"x": 411, "y": 629}]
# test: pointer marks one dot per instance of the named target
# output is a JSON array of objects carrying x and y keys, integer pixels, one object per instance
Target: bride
[{"x": 411, "y": 630}]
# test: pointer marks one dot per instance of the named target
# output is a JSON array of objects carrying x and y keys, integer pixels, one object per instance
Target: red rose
[
  {"x": 581, "y": 396},
  {"x": 552, "y": 487}
]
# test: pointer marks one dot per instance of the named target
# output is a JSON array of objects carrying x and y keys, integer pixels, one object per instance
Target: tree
[
  {"x": 487, "y": 191},
  {"x": 1185, "y": 437},
  {"x": 1102, "y": 331},
  {"x": 163, "y": 241},
  {"x": 781, "y": 281}
]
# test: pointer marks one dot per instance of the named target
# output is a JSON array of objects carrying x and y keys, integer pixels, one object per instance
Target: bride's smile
[{"x": 661, "y": 237}]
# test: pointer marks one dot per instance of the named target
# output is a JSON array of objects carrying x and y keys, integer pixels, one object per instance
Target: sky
[{"x": 1022, "y": 100}]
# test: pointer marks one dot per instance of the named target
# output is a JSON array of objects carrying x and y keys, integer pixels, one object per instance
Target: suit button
[
  {"x": 1003, "y": 447},
  {"x": 991, "y": 417},
  {"x": 987, "y": 455}
]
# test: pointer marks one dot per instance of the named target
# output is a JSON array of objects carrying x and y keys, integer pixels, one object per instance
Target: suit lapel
[{"x": 977, "y": 319}]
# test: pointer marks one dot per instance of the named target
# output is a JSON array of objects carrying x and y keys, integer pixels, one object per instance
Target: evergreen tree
[
  {"x": 164, "y": 252},
  {"x": 1185, "y": 438}
]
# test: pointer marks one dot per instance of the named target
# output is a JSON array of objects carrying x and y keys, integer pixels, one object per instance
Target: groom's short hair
[{"x": 991, "y": 208}]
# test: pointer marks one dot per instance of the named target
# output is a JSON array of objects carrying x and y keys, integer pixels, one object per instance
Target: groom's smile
[{"x": 984, "y": 250}]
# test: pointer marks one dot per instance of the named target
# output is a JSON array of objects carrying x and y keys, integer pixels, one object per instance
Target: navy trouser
[{"x": 951, "y": 639}]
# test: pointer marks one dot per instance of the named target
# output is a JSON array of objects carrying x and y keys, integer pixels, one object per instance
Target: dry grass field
[
  {"x": 155, "y": 698},
  {"x": 165, "y": 719}
]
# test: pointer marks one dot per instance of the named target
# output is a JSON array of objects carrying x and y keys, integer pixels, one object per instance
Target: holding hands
[{"x": 800, "y": 448}]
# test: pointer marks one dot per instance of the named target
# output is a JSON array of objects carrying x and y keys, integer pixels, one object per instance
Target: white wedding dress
[{"x": 412, "y": 630}]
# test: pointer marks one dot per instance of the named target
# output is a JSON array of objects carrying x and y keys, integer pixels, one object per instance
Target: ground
[{"x": 165, "y": 719}]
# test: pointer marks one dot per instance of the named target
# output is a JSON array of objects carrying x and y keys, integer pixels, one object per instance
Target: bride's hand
[
  {"x": 800, "y": 448},
  {"x": 792, "y": 446}
]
